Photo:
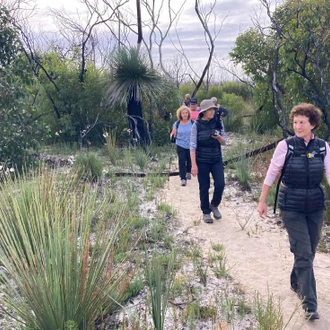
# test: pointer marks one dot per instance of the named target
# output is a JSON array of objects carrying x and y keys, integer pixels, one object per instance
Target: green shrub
[
  {"x": 237, "y": 88},
  {"x": 160, "y": 132},
  {"x": 60, "y": 272},
  {"x": 236, "y": 108},
  {"x": 19, "y": 132},
  {"x": 89, "y": 167},
  {"x": 160, "y": 274}
]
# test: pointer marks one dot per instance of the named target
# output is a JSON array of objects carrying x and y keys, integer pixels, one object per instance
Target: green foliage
[
  {"x": 268, "y": 314},
  {"x": 75, "y": 104},
  {"x": 295, "y": 52},
  {"x": 161, "y": 131},
  {"x": 237, "y": 88},
  {"x": 110, "y": 146},
  {"x": 60, "y": 272},
  {"x": 261, "y": 122},
  {"x": 141, "y": 158},
  {"x": 9, "y": 41},
  {"x": 254, "y": 51},
  {"x": 160, "y": 273},
  {"x": 236, "y": 106},
  {"x": 217, "y": 91},
  {"x": 131, "y": 77},
  {"x": 89, "y": 167},
  {"x": 19, "y": 131}
]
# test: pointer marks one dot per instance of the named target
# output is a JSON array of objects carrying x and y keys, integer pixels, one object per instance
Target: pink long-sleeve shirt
[{"x": 278, "y": 159}]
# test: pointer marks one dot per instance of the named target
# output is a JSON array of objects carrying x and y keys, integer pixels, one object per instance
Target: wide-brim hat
[{"x": 206, "y": 105}]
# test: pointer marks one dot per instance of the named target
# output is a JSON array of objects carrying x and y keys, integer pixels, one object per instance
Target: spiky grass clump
[
  {"x": 89, "y": 167},
  {"x": 59, "y": 269}
]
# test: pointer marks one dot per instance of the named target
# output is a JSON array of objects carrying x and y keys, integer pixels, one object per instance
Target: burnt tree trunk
[{"x": 136, "y": 123}]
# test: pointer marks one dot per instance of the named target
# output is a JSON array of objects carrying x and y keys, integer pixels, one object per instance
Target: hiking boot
[
  {"x": 215, "y": 212},
  {"x": 183, "y": 183},
  {"x": 207, "y": 218},
  {"x": 311, "y": 315},
  {"x": 188, "y": 176}
]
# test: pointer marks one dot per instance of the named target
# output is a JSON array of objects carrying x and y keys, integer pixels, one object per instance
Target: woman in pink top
[
  {"x": 194, "y": 109},
  {"x": 301, "y": 197}
]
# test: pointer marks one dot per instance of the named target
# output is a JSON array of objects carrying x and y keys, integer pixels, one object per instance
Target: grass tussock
[{"x": 60, "y": 272}]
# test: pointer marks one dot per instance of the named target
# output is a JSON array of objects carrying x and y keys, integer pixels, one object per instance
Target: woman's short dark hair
[{"x": 308, "y": 110}]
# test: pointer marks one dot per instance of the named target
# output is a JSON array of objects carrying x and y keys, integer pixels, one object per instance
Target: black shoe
[{"x": 311, "y": 315}]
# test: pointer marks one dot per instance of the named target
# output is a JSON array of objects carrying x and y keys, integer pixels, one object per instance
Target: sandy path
[{"x": 258, "y": 256}]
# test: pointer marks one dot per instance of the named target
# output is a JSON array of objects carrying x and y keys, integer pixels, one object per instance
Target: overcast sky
[{"x": 234, "y": 14}]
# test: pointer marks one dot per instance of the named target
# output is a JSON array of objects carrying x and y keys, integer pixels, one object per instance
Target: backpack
[
  {"x": 290, "y": 144},
  {"x": 177, "y": 123}
]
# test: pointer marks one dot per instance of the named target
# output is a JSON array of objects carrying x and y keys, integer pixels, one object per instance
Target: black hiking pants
[
  {"x": 184, "y": 161},
  {"x": 204, "y": 171},
  {"x": 304, "y": 234}
]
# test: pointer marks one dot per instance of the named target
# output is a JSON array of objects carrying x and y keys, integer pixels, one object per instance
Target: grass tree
[
  {"x": 56, "y": 246},
  {"x": 132, "y": 80}
]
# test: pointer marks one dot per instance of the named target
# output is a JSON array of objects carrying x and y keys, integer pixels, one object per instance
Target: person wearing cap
[
  {"x": 186, "y": 101},
  {"x": 223, "y": 111},
  {"x": 207, "y": 136},
  {"x": 194, "y": 109},
  {"x": 215, "y": 101}
]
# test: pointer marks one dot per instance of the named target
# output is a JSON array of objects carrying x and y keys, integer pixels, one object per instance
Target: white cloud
[{"x": 234, "y": 15}]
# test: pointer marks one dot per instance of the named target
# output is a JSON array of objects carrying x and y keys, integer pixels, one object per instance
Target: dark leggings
[{"x": 184, "y": 161}]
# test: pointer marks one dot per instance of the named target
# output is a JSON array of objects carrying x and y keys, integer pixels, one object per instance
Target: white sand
[{"x": 258, "y": 256}]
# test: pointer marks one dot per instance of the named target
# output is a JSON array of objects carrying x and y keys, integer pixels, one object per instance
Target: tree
[
  {"x": 19, "y": 131},
  {"x": 131, "y": 80},
  {"x": 297, "y": 50}
]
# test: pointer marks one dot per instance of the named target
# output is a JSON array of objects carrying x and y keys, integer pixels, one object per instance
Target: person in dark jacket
[
  {"x": 207, "y": 136},
  {"x": 301, "y": 197}
]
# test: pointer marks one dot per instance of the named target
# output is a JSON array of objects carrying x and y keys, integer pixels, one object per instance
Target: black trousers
[
  {"x": 204, "y": 171},
  {"x": 304, "y": 234},
  {"x": 184, "y": 161}
]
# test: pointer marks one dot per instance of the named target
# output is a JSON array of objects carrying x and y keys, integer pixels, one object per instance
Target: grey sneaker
[
  {"x": 207, "y": 218},
  {"x": 188, "y": 176},
  {"x": 215, "y": 212},
  {"x": 183, "y": 183}
]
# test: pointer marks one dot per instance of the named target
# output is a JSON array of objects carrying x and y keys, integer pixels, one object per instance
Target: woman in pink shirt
[
  {"x": 194, "y": 109},
  {"x": 301, "y": 197}
]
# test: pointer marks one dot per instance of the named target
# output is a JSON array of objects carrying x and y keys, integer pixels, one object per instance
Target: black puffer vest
[
  {"x": 208, "y": 149},
  {"x": 301, "y": 190}
]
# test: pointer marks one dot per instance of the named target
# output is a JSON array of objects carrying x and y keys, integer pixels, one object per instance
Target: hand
[
  {"x": 194, "y": 170},
  {"x": 262, "y": 209}
]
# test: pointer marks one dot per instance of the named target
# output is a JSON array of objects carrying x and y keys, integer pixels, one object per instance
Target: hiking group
[
  {"x": 199, "y": 133},
  {"x": 300, "y": 161}
]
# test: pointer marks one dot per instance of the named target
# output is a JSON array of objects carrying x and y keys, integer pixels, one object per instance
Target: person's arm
[
  {"x": 262, "y": 206},
  {"x": 173, "y": 132},
  {"x": 222, "y": 137},
  {"x": 274, "y": 169},
  {"x": 327, "y": 162},
  {"x": 194, "y": 168},
  {"x": 193, "y": 147}
]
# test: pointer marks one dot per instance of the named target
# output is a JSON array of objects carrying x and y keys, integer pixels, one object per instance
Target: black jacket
[
  {"x": 301, "y": 190},
  {"x": 208, "y": 149}
]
